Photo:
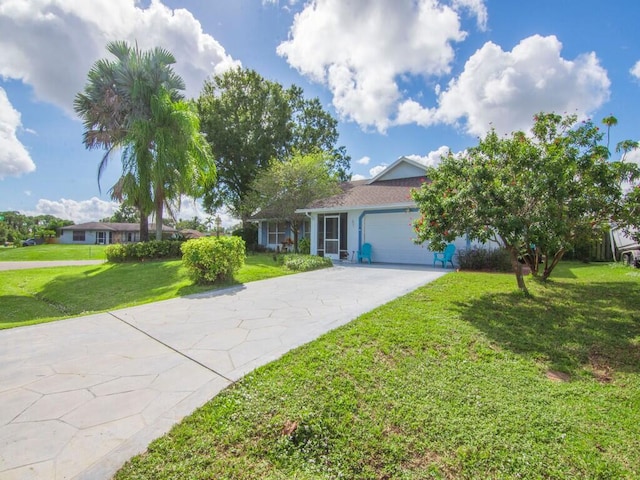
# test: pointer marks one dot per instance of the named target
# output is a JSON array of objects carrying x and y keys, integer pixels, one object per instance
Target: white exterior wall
[{"x": 67, "y": 237}]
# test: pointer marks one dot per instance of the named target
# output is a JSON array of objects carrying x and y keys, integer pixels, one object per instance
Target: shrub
[
  {"x": 485, "y": 259},
  {"x": 141, "y": 251},
  {"x": 304, "y": 246},
  {"x": 304, "y": 263},
  {"x": 249, "y": 233},
  {"x": 212, "y": 259}
]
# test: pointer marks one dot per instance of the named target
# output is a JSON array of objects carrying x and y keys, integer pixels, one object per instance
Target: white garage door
[{"x": 391, "y": 235}]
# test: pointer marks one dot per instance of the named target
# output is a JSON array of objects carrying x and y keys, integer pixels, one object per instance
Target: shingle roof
[
  {"x": 114, "y": 227},
  {"x": 361, "y": 193}
]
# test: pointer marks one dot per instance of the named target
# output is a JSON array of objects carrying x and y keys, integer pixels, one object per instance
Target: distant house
[
  {"x": 379, "y": 211},
  {"x": 103, "y": 233}
]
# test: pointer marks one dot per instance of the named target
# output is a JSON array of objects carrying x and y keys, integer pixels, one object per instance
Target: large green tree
[
  {"x": 292, "y": 184},
  {"x": 133, "y": 105},
  {"x": 534, "y": 195},
  {"x": 249, "y": 121}
]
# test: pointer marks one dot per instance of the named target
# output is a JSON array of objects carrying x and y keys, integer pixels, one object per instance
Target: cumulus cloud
[
  {"x": 432, "y": 159},
  {"x": 476, "y": 8},
  {"x": 357, "y": 176},
  {"x": 14, "y": 157},
  {"x": 505, "y": 89},
  {"x": 82, "y": 211},
  {"x": 635, "y": 70},
  {"x": 378, "y": 169},
  {"x": 51, "y": 44},
  {"x": 364, "y": 161},
  {"x": 361, "y": 61}
]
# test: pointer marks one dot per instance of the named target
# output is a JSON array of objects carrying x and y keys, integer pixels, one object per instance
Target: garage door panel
[{"x": 391, "y": 237}]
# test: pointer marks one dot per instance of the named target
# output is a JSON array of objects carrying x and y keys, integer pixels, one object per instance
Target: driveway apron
[{"x": 81, "y": 396}]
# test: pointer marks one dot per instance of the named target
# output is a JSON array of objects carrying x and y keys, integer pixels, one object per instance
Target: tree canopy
[
  {"x": 292, "y": 184},
  {"x": 535, "y": 195},
  {"x": 250, "y": 121}
]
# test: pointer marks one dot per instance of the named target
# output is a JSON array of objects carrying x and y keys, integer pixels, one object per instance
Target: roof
[
  {"x": 113, "y": 227},
  {"x": 362, "y": 193}
]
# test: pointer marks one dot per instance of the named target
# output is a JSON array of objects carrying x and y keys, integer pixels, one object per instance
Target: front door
[{"x": 332, "y": 237}]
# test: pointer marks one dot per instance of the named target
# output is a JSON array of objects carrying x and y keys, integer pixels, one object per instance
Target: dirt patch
[
  {"x": 556, "y": 376},
  {"x": 600, "y": 366}
]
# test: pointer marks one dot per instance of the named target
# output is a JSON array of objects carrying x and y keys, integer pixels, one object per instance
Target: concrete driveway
[{"x": 81, "y": 396}]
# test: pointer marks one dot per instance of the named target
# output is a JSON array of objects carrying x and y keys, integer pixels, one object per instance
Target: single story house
[
  {"x": 105, "y": 233},
  {"x": 277, "y": 235},
  {"x": 379, "y": 211}
]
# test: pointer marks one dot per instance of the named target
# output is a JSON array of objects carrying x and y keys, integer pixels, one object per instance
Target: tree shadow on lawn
[{"x": 578, "y": 329}]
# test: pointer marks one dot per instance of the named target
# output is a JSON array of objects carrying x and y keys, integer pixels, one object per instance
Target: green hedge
[
  {"x": 304, "y": 263},
  {"x": 485, "y": 259},
  {"x": 212, "y": 259},
  {"x": 141, "y": 251}
]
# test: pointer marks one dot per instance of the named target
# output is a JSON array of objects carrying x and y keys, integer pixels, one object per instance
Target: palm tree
[
  {"x": 117, "y": 95},
  {"x": 626, "y": 146},
  {"x": 609, "y": 121}
]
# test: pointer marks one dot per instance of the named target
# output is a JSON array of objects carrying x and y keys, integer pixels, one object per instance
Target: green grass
[
  {"x": 450, "y": 381},
  {"x": 52, "y": 252},
  {"x": 44, "y": 294}
]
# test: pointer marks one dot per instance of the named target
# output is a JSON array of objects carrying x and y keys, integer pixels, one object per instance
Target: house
[
  {"x": 104, "y": 233},
  {"x": 379, "y": 211},
  {"x": 277, "y": 235}
]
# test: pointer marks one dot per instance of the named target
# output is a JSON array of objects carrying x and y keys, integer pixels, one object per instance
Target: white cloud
[
  {"x": 633, "y": 156},
  {"x": 364, "y": 161},
  {"x": 635, "y": 70},
  {"x": 477, "y": 8},
  {"x": 360, "y": 61},
  {"x": 91, "y": 210},
  {"x": 432, "y": 159},
  {"x": 51, "y": 44},
  {"x": 505, "y": 89},
  {"x": 377, "y": 169},
  {"x": 357, "y": 176},
  {"x": 14, "y": 157}
]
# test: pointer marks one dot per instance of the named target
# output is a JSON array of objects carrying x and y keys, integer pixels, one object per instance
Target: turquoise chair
[
  {"x": 365, "y": 253},
  {"x": 446, "y": 256}
]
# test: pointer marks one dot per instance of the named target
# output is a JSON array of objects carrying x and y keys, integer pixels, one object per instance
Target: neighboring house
[
  {"x": 103, "y": 233},
  {"x": 378, "y": 211}
]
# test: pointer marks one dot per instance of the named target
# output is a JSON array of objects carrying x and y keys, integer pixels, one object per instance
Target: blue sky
[{"x": 404, "y": 77}]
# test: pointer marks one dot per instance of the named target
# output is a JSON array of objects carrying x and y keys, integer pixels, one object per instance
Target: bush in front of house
[
  {"x": 485, "y": 259},
  {"x": 304, "y": 263},
  {"x": 141, "y": 251},
  {"x": 304, "y": 246},
  {"x": 212, "y": 259}
]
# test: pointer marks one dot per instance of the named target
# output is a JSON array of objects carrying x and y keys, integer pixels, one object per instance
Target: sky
[{"x": 412, "y": 78}]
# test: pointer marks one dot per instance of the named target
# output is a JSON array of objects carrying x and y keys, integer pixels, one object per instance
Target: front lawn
[
  {"x": 45, "y": 294},
  {"x": 52, "y": 252},
  {"x": 463, "y": 378}
]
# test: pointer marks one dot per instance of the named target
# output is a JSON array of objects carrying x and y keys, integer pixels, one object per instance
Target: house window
[
  {"x": 101, "y": 238},
  {"x": 306, "y": 229},
  {"x": 78, "y": 235},
  {"x": 276, "y": 232}
]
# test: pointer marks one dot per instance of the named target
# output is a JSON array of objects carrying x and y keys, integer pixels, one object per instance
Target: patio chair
[
  {"x": 365, "y": 253},
  {"x": 446, "y": 256}
]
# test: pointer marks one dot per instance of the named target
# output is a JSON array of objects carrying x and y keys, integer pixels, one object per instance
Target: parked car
[{"x": 29, "y": 242}]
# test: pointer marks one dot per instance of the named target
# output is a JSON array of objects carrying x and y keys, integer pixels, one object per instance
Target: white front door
[{"x": 332, "y": 237}]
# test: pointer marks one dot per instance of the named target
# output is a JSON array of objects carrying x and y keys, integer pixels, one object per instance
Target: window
[
  {"x": 78, "y": 235},
  {"x": 306, "y": 229},
  {"x": 275, "y": 232},
  {"x": 101, "y": 238}
]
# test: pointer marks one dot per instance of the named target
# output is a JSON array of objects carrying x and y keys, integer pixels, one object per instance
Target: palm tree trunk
[{"x": 159, "y": 212}]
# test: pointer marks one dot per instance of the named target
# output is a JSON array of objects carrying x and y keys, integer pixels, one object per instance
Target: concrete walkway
[
  {"x": 79, "y": 397},
  {"x": 47, "y": 263}
]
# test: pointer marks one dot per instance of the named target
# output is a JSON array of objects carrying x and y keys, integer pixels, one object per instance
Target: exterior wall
[
  {"x": 89, "y": 237},
  {"x": 403, "y": 170},
  {"x": 263, "y": 235}
]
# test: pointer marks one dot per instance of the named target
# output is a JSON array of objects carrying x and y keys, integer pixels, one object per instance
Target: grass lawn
[
  {"x": 45, "y": 294},
  {"x": 463, "y": 378},
  {"x": 52, "y": 252}
]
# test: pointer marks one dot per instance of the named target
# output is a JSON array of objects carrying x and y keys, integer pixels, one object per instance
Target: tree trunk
[
  {"x": 144, "y": 226},
  {"x": 549, "y": 268},
  {"x": 159, "y": 211},
  {"x": 295, "y": 228},
  {"x": 517, "y": 269}
]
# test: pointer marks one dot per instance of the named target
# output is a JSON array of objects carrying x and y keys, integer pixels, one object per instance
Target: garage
[{"x": 391, "y": 237}]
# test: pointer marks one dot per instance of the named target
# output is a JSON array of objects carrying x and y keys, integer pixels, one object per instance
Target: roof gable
[{"x": 402, "y": 168}]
